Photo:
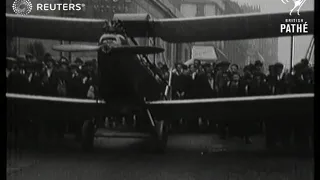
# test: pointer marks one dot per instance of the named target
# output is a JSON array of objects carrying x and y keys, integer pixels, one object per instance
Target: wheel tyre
[
  {"x": 88, "y": 131},
  {"x": 161, "y": 136}
]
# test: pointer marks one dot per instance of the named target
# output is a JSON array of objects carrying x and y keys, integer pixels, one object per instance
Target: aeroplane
[{"x": 129, "y": 83}]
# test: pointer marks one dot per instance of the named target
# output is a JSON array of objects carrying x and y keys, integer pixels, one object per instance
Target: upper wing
[
  {"x": 240, "y": 107},
  {"x": 240, "y": 26},
  {"x": 44, "y": 106},
  {"x": 44, "y": 27},
  {"x": 231, "y": 27},
  {"x": 72, "y": 29}
]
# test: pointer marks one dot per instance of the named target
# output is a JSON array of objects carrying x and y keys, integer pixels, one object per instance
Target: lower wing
[
  {"x": 295, "y": 105},
  {"x": 44, "y": 106}
]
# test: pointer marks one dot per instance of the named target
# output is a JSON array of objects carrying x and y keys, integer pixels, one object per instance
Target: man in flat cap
[
  {"x": 50, "y": 77},
  {"x": 63, "y": 76},
  {"x": 10, "y": 68},
  {"x": 79, "y": 63},
  {"x": 77, "y": 87},
  {"x": 29, "y": 57},
  {"x": 258, "y": 86},
  {"x": 234, "y": 68},
  {"x": 91, "y": 78},
  {"x": 279, "y": 81},
  {"x": 11, "y": 65},
  {"x": 17, "y": 80},
  {"x": 258, "y": 66},
  {"x": 35, "y": 78}
]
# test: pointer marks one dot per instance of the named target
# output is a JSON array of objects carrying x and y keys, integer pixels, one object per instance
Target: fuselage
[{"x": 125, "y": 83}]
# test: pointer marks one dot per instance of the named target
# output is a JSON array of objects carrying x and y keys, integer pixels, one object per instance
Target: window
[
  {"x": 188, "y": 10},
  {"x": 209, "y": 10}
]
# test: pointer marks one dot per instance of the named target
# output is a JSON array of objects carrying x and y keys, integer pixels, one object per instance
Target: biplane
[{"x": 129, "y": 83}]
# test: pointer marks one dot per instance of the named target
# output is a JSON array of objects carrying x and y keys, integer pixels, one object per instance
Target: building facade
[
  {"x": 240, "y": 52},
  {"x": 265, "y": 49},
  {"x": 196, "y": 8},
  {"x": 105, "y": 9}
]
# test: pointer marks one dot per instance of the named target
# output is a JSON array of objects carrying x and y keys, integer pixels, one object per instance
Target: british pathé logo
[
  {"x": 297, "y": 5},
  {"x": 294, "y": 25},
  {"x": 22, "y": 7}
]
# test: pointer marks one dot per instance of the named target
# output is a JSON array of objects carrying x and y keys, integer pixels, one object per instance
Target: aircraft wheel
[
  {"x": 88, "y": 131},
  {"x": 161, "y": 136}
]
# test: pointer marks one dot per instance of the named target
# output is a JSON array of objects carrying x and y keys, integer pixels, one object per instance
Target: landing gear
[
  {"x": 161, "y": 136},
  {"x": 88, "y": 131}
]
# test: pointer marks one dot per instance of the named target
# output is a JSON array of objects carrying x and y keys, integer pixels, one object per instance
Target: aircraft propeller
[{"x": 121, "y": 49}]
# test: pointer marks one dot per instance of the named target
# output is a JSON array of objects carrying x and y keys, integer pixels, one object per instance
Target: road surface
[{"x": 199, "y": 157}]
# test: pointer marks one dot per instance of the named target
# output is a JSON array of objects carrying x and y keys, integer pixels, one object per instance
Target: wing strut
[
  {"x": 292, "y": 54},
  {"x": 310, "y": 49},
  {"x": 148, "y": 61}
]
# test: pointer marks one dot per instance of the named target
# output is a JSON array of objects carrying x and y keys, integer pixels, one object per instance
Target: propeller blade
[
  {"x": 75, "y": 48},
  {"x": 137, "y": 50}
]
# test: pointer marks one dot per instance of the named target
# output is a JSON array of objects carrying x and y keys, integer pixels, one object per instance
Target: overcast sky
[{"x": 301, "y": 42}]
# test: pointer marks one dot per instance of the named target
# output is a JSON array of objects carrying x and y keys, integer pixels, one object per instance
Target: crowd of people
[
  {"x": 49, "y": 77},
  {"x": 223, "y": 79},
  {"x": 227, "y": 80},
  {"x": 79, "y": 79}
]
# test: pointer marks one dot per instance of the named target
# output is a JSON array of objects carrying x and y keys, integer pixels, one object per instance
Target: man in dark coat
[
  {"x": 91, "y": 80},
  {"x": 17, "y": 80},
  {"x": 178, "y": 83},
  {"x": 50, "y": 78},
  {"x": 258, "y": 86},
  {"x": 223, "y": 85},
  {"x": 79, "y": 63},
  {"x": 303, "y": 79},
  {"x": 76, "y": 87},
  {"x": 35, "y": 81},
  {"x": 277, "y": 81}
]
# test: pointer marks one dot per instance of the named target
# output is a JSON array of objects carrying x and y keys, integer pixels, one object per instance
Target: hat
[
  {"x": 251, "y": 67},
  {"x": 47, "y": 56},
  {"x": 298, "y": 67},
  {"x": 27, "y": 55},
  {"x": 88, "y": 63},
  {"x": 185, "y": 67},
  {"x": 278, "y": 65},
  {"x": 64, "y": 61},
  {"x": 206, "y": 65},
  {"x": 223, "y": 63},
  {"x": 305, "y": 62},
  {"x": 21, "y": 61},
  {"x": 49, "y": 59},
  {"x": 78, "y": 60},
  {"x": 258, "y": 63}
]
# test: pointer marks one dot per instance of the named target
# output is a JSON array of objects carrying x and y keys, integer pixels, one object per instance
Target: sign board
[{"x": 204, "y": 52}]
